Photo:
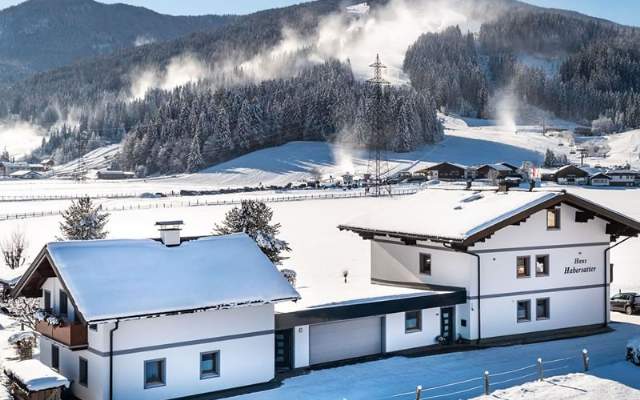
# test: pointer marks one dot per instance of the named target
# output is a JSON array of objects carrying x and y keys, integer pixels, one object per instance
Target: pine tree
[
  {"x": 83, "y": 221},
  {"x": 195, "y": 162},
  {"x": 254, "y": 218}
]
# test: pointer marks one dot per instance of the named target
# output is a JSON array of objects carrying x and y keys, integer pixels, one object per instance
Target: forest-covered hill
[
  {"x": 39, "y": 35},
  {"x": 218, "y": 110}
]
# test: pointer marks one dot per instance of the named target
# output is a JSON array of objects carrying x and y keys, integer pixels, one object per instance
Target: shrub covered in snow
[{"x": 633, "y": 350}]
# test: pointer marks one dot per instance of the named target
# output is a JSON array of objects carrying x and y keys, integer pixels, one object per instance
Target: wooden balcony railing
[{"x": 71, "y": 334}]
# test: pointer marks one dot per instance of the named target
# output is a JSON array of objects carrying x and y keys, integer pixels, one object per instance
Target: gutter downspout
[
  {"x": 115, "y": 328},
  {"x": 478, "y": 273},
  {"x": 606, "y": 298}
]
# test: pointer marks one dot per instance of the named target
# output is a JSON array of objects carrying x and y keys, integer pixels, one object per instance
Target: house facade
[
  {"x": 446, "y": 171},
  {"x": 528, "y": 262},
  {"x": 624, "y": 177},
  {"x": 572, "y": 175},
  {"x": 211, "y": 328}
]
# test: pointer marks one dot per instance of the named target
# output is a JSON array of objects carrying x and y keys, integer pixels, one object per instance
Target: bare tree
[
  {"x": 13, "y": 249},
  {"x": 23, "y": 309}
]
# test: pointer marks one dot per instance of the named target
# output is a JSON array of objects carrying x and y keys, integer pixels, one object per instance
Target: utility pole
[{"x": 378, "y": 142}]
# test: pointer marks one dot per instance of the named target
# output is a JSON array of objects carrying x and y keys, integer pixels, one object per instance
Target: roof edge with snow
[{"x": 619, "y": 224}]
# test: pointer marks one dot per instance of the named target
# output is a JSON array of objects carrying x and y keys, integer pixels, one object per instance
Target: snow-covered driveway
[{"x": 387, "y": 379}]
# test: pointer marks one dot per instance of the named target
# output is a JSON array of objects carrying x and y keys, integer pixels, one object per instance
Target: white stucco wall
[
  {"x": 180, "y": 339},
  {"x": 54, "y": 286},
  {"x": 573, "y": 245},
  {"x": 397, "y": 339}
]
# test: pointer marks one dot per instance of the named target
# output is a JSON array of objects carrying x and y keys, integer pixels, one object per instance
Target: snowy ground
[
  {"x": 8, "y": 326},
  {"x": 397, "y": 377}
]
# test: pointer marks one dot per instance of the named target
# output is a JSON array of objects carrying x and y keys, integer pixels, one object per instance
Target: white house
[
  {"x": 151, "y": 319},
  {"x": 528, "y": 262},
  {"x": 624, "y": 177}
]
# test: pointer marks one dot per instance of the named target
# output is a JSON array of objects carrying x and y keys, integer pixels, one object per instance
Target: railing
[{"x": 71, "y": 334}]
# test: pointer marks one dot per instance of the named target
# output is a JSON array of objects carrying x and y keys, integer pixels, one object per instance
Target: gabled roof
[
  {"x": 463, "y": 217},
  {"x": 497, "y": 167},
  {"x": 110, "y": 279},
  {"x": 446, "y": 163}
]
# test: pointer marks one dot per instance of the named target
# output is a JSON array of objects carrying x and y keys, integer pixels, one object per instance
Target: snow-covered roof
[
  {"x": 24, "y": 173},
  {"x": 110, "y": 279},
  {"x": 450, "y": 214},
  {"x": 35, "y": 376},
  {"x": 497, "y": 167}
]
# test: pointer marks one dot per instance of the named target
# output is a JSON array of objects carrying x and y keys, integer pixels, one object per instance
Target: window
[
  {"x": 93, "y": 327},
  {"x": 463, "y": 323},
  {"x": 553, "y": 218},
  {"x": 542, "y": 265},
  {"x": 522, "y": 267},
  {"x": 524, "y": 311},
  {"x": 542, "y": 308},
  {"x": 55, "y": 357},
  {"x": 47, "y": 300},
  {"x": 412, "y": 321},
  {"x": 209, "y": 364},
  {"x": 154, "y": 373},
  {"x": 63, "y": 303},
  {"x": 83, "y": 372},
  {"x": 425, "y": 264}
]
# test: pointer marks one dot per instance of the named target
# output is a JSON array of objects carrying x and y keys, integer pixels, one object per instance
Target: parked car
[
  {"x": 628, "y": 302},
  {"x": 633, "y": 350}
]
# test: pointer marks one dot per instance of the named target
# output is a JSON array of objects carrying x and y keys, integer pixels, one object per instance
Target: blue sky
[{"x": 622, "y": 11}]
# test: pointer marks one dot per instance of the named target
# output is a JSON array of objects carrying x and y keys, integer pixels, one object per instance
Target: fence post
[
  {"x": 486, "y": 383},
  {"x": 540, "y": 370},
  {"x": 418, "y": 392},
  {"x": 585, "y": 359}
]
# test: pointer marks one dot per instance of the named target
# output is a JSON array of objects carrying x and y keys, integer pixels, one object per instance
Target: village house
[
  {"x": 599, "y": 179},
  {"x": 114, "y": 175},
  {"x": 497, "y": 171},
  {"x": 173, "y": 317},
  {"x": 26, "y": 174},
  {"x": 157, "y": 319},
  {"x": 624, "y": 177},
  {"x": 446, "y": 171},
  {"x": 571, "y": 175},
  {"x": 528, "y": 263}
]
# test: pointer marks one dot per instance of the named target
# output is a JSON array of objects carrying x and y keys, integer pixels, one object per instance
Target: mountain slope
[{"x": 39, "y": 35}]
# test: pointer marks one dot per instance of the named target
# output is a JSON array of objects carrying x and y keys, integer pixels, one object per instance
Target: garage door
[{"x": 345, "y": 339}]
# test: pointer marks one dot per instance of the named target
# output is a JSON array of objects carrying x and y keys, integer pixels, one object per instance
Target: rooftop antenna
[{"x": 377, "y": 144}]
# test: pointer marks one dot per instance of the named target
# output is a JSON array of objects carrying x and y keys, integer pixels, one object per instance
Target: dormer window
[{"x": 553, "y": 218}]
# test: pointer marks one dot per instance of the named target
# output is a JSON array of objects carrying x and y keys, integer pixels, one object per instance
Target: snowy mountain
[{"x": 39, "y": 35}]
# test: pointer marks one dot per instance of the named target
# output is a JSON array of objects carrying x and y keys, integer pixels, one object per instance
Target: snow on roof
[
  {"x": 497, "y": 167},
  {"x": 35, "y": 376},
  {"x": 326, "y": 293},
  {"x": 450, "y": 214},
  {"x": 111, "y": 279}
]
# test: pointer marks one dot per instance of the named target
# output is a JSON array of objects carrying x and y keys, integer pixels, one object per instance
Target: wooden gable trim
[{"x": 35, "y": 272}]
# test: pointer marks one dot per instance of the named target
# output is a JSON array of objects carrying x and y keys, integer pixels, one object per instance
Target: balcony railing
[{"x": 71, "y": 334}]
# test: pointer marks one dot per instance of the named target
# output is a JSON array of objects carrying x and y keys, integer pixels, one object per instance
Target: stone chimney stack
[{"x": 170, "y": 232}]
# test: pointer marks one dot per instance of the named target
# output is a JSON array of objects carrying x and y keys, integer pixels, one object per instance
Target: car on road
[{"x": 628, "y": 302}]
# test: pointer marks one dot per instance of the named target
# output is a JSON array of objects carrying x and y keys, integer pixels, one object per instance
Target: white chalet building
[
  {"x": 147, "y": 319},
  {"x": 528, "y": 262},
  {"x": 159, "y": 319}
]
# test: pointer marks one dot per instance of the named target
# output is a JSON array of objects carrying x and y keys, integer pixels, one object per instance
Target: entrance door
[
  {"x": 284, "y": 349},
  {"x": 446, "y": 324}
]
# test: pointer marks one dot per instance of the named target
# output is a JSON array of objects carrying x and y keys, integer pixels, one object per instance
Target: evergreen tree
[
  {"x": 195, "y": 162},
  {"x": 83, "y": 221},
  {"x": 254, "y": 218}
]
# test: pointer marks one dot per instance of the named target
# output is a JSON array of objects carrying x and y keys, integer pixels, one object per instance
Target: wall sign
[{"x": 579, "y": 267}]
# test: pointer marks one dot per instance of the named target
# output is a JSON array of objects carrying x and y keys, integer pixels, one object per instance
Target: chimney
[{"x": 170, "y": 232}]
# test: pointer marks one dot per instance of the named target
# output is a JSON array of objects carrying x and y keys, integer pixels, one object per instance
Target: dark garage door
[{"x": 345, "y": 339}]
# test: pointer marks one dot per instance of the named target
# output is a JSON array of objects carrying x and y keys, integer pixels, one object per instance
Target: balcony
[{"x": 71, "y": 334}]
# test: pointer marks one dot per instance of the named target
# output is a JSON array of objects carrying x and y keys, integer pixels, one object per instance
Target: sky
[{"x": 622, "y": 11}]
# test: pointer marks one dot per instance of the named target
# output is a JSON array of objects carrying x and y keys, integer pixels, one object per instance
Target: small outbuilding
[
  {"x": 114, "y": 175},
  {"x": 32, "y": 380}
]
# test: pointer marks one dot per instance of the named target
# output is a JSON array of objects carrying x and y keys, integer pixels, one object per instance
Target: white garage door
[{"x": 345, "y": 339}]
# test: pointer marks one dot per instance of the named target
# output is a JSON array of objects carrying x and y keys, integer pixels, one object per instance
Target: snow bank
[
  {"x": 35, "y": 376},
  {"x": 584, "y": 387},
  {"x": 108, "y": 278}
]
